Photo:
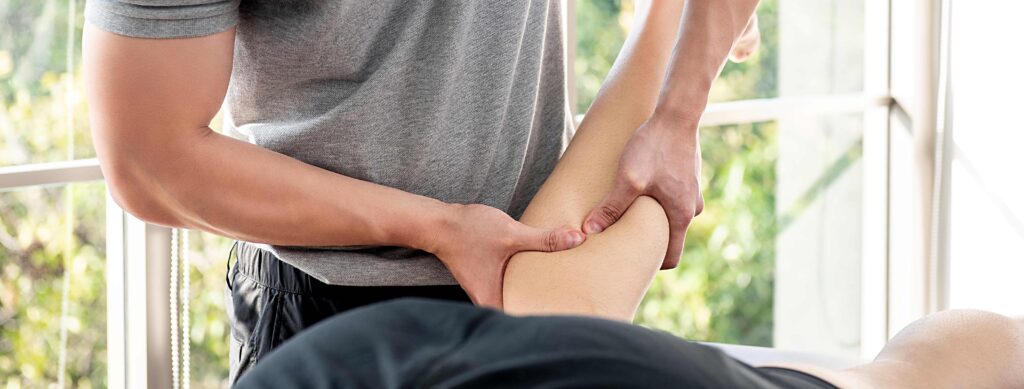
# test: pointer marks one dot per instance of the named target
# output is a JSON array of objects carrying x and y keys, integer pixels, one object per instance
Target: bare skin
[
  {"x": 951, "y": 349},
  {"x": 151, "y": 102},
  {"x": 956, "y": 349}
]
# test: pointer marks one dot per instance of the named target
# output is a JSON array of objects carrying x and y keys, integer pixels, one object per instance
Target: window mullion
[
  {"x": 760, "y": 110},
  {"x": 51, "y": 173}
]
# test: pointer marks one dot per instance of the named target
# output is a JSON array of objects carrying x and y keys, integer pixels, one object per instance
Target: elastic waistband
[{"x": 265, "y": 268}]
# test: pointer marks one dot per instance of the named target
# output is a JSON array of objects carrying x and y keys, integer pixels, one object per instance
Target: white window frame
[
  {"x": 138, "y": 254},
  {"x": 878, "y": 105}
]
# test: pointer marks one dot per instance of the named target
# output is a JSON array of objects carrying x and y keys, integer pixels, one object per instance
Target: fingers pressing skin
[
  {"x": 661, "y": 161},
  {"x": 525, "y": 238},
  {"x": 680, "y": 213},
  {"x": 700, "y": 194},
  {"x": 700, "y": 204},
  {"x": 537, "y": 239},
  {"x": 678, "y": 222},
  {"x": 479, "y": 240},
  {"x": 611, "y": 207},
  {"x": 488, "y": 297}
]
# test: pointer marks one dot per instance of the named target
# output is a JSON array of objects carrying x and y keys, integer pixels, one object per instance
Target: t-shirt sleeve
[{"x": 162, "y": 18}]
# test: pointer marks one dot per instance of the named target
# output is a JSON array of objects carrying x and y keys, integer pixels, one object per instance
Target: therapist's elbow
[{"x": 137, "y": 188}]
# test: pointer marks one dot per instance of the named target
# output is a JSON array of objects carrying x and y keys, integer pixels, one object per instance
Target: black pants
[
  {"x": 416, "y": 343},
  {"x": 270, "y": 301}
]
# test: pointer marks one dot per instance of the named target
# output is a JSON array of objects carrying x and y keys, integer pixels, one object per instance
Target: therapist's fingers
[
  {"x": 548, "y": 240},
  {"x": 611, "y": 207},
  {"x": 490, "y": 297},
  {"x": 680, "y": 214}
]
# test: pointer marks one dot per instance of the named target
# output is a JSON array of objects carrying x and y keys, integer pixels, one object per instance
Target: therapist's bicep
[{"x": 149, "y": 100}]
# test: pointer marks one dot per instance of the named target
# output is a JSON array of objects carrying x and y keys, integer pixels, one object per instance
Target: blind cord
[
  {"x": 179, "y": 302},
  {"x": 173, "y": 293},
  {"x": 186, "y": 336},
  {"x": 62, "y": 359}
]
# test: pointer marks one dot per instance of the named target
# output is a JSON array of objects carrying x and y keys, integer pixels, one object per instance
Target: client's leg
[{"x": 609, "y": 273}]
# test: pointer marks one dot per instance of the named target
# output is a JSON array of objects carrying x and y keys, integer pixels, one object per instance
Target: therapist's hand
[
  {"x": 662, "y": 161},
  {"x": 477, "y": 241}
]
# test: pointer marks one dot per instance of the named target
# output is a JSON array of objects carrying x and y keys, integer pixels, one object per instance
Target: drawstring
[{"x": 227, "y": 274}]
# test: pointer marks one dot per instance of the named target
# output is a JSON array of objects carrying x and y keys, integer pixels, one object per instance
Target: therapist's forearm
[
  {"x": 709, "y": 28},
  {"x": 203, "y": 180}
]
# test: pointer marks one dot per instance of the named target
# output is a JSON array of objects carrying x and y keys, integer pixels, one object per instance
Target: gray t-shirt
[{"x": 462, "y": 101}]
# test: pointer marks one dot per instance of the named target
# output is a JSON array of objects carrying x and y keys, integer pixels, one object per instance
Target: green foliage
[
  {"x": 38, "y": 248},
  {"x": 722, "y": 290},
  {"x": 600, "y": 31},
  {"x": 34, "y": 84},
  {"x": 47, "y": 233}
]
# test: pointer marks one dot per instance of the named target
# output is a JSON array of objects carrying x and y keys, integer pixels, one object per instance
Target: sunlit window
[
  {"x": 777, "y": 259},
  {"x": 779, "y": 242}
]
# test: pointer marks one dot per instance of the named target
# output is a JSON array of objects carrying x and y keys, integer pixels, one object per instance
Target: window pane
[
  {"x": 986, "y": 220},
  {"x": 819, "y": 48},
  {"x": 40, "y": 95},
  {"x": 37, "y": 250},
  {"x": 807, "y": 47},
  {"x": 818, "y": 243}
]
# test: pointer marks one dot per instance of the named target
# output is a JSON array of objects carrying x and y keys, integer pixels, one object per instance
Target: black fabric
[
  {"x": 789, "y": 378},
  {"x": 270, "y": 301},
  {"x": 417, "y": 343}
]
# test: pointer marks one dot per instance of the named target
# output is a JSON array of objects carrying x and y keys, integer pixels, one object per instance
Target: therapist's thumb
[
  {"x": 539, "y": 239},
  {"x": 610, "y": 209}
]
